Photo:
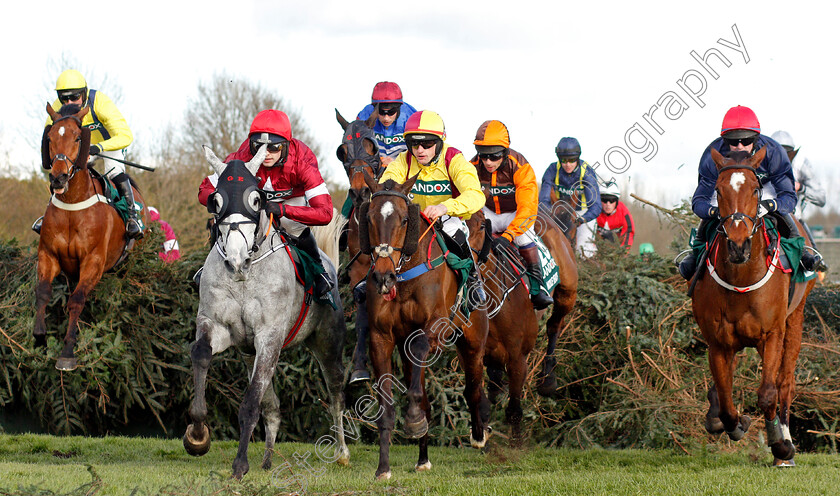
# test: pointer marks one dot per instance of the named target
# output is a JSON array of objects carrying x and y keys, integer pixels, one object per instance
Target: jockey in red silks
[{"x": 290, "y": 170}]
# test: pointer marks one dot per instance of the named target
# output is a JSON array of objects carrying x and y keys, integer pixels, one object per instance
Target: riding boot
[
  {"x": 360, "y": 357},
  {"x": 132, "y": 226},
  {"x": 37, "y": 225},
  {"x": 810, "y": 260},
  {"x": 532, "y": 266},
  {"x": 306, "y": 242},
  {"x": 821, "y": 266},
  {"x": 475, "y": 284},
  {"x": 688, "y": 266}
]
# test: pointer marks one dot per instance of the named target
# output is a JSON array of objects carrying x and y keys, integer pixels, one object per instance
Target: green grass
[{"x": 36, "y": 464}]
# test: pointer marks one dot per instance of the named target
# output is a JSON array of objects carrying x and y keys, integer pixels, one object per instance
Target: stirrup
[{"x": 132, "y": 229}]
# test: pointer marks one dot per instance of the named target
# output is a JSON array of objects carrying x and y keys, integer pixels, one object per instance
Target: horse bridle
[
  {"x": 385, "y": 249},
  {"x": 64, "y": 158},
  {"x": 739, "y": 215}
]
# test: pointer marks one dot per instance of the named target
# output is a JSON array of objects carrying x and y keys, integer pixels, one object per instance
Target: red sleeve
[
  {"x": 308, "y": 177},
  {"x": 629, "y": 227},
  {"x": 204, "y": 191},
  {"x": 318, "y": 213}
]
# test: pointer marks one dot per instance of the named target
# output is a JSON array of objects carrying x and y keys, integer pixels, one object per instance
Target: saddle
[
  {"x": 119, "y": 203},
  {"x": 306, "y": 268}
]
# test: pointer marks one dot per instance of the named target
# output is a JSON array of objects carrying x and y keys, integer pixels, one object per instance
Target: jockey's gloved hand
[
  {"x": 714, "y": 212},
  {"x": 95, "y": 150},
  {"x": 502, "y": 243},
  {"x": 278, "y": 209},
  {"x": 766, "y": 206}
]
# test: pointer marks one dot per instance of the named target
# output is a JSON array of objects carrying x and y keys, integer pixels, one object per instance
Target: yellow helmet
[
  {"x": 491, "y": 137},
  {"x": 424, "y": 124},
  {"x": 70, "y": 79}
]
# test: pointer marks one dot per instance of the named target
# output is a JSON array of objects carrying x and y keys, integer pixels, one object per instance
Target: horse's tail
[{"x": 327, "y": 236}]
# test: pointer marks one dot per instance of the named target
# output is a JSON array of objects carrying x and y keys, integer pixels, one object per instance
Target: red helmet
[
  {"x": 386, "y": 91},
  {"x": 272, "y": 122},
  {"x": 740, "y": 122}
]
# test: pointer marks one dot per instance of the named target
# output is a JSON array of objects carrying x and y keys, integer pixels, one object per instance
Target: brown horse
[
  {"x": 513, "y": 329},
  {"x": 359, "y": 153},
  {"x": 419, "y": 315},
  {"x": 81, "y": 235},
  {"x": 745, "y": 302}
]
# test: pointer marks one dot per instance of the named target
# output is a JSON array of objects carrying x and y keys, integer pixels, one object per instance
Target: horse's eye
[{"x": 404, "y": 221}]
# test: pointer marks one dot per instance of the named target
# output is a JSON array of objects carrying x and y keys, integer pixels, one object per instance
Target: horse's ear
[
  {"x": 364, "y": 236},
  {"x": 371, "y": 121},
  {"x": 46, "y": 160},
  {"x": 82, "y": 113},
  {"x": 412, "y": 230},
  {"x": 405, "y": 188},
  {"x": 371, "y": 182},
  {"x": 341, "y": 153},
  {"x": 756, "y": 159},
  {"x": 792, "y": 154},
  {"x": 84, "y": 149},
  {"x": 253, "y": 165},
  {"x": 341, "y": 120},
  {"x": 213, "y": 160},
  {"x": 53, "y": 114},
  {"x": 717, "y": 158}
]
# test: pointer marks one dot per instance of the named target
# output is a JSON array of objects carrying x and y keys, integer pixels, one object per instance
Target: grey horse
[{"x": 249, "y": 299}]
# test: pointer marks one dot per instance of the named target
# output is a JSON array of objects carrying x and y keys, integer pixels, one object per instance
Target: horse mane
[
  {"x": 69, "y": 109},
  {"x": 327, "y": 236},
  {"x": 390, "y": 185},
  {"x": 738, "y": 156}
]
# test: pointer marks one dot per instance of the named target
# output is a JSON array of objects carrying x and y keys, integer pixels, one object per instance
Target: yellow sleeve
[
  {"x": 395, "y": 170},
  {"x": 114, "y": 122},
  {"x": 465, "y": 178},
  {"x": 527, "y": 199}
]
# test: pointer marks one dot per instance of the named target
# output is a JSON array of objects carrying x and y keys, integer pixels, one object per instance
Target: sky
[{"x": 592, "y": 70}]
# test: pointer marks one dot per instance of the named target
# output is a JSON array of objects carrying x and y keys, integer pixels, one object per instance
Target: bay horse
[
  {"x": 249, "y": 298},
  {"x": 745, "y": 302},
  {"x": 411, "y": 303},
  {"x": 358, "y": 153},
  {"x": 81, "y": 235}
]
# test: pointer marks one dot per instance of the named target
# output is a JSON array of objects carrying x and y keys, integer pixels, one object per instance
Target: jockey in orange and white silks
[{"x": 512, "y": 195}]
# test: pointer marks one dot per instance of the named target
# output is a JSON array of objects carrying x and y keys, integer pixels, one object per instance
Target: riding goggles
[
  {"x": 388, "y": 110},
  {"x": 491, "y": 156},
  {"x": 424, "y": 144},
  {"x": 744, "y": 141},
  {"x": 70, "y": 96}
]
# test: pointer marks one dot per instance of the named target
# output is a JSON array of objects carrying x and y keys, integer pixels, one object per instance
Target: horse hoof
[
  {"x": 266, "y": 463},
  {"x": 197, "y": 443},
  {"x": 344, "y": 457},
  {"x": 783, "y": 450},
  {"x": 66, "y": 364},
  {"x": 714, "y": 425},
  {"x": 741, "y": 429},
  {"x": 480, "y": 444},
  {"x": 547, "y": 387},
  {"x": 423, "y": 467},
  {"x": 416, "y": 430},
  {"x": 383, "y": 475},
  {"x": 784, "y": 463},
  {"x": 359, "y": 375},
  {"x": 240, "y": 469}
]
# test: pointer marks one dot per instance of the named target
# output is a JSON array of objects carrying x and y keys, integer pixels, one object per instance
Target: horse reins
[
  {"x": 740, "y": 215},
  {"x": 384, "y": 249}
]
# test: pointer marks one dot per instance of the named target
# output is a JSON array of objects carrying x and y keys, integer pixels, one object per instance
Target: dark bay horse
[
  {"x": 359, "y": 153},
  {"x": 744, "y": 302},
  {"x": 418, "y": 315},
  {"x": 81, "y": 235}
]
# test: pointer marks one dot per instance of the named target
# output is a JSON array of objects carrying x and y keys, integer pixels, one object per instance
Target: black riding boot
[
  {"x": 132, "y": 226},
  {"x": 810, "y": 261},
  {"x": 306, "y": 242},
  {"x": 532, "y": 266},
  {"x": 475, "y": 285},
  {"x": 688, "y": 266},
  {"x": 360, "y": 356}
]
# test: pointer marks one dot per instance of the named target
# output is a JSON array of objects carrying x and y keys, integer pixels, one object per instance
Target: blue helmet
[{"x": 568, "y": 148}]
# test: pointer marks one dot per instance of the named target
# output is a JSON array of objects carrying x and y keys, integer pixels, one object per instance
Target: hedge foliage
[{"x": 632, "y": 364}]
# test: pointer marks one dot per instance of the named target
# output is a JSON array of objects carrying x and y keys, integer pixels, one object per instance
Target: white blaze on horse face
[
  {"x": 736, "y": 180},
  {"x": 386, "y": 210},
  {"x": 237, "y": 243},
  {"x": 61, "y": 131}
]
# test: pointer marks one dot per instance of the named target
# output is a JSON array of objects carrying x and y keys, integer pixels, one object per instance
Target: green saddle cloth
[
  {"x": 793, "y": 248},
  {"x": 118, "y": 202}
]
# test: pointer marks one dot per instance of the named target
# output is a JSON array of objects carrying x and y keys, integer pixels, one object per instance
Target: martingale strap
[{"x": 746, "y": 289}]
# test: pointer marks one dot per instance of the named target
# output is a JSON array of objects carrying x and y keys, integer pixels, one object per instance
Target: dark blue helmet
[{"x": 568, "y": 148}]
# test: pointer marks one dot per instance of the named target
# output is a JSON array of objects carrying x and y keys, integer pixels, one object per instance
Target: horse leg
[
  {"x": 381, "y": 349},
  {"x": 547, "y": 382},
  {"x": 771, "y": 354},
  {"x": 414, "y": 358},
  {"x": 360, "y": 372},
  {"x": 89, "y": 275},
  {"x": 270, "y": 411},
  {"x": 197, "y": 436},
  {"x": 495, "y": 383},
  {"x": 516, "y": 369},
  {"x": 265, "y": 362},
  {"x": 48, "y": 269},
  {"x": 470, "y": 354},
  {"x": 783, "y": 449},
  {"x": 721, "y": 362},
  {"x": 328, "y": 350},
  {"x": 713, "y": 423}
]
